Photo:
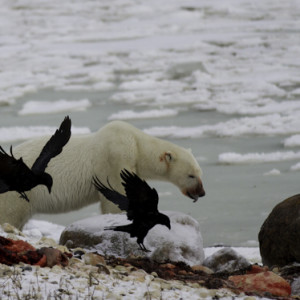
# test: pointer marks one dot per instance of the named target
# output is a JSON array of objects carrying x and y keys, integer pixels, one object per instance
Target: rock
[
  {"x": 199, "y": 268},
  {"x": 45, "y": 241},
  {"x": 203, "y": 293},
  {"x": 5, "y": 270},
  {"x": 257, "y": 269},
  {"x": 168, "y": 266},
  {"x": 261, "y": 283},
  {"x": 279, "y": 236},
  {"x": 226, "y": 260},
  {"x": 182, "y": 243},
  {"x": 93, "y": 259},
  {"x": 120, "y": 268},
  {"x": 78, "y": 252},
  {"x": 154, "y": 274},
  {"x": 26, "y": 268},
  {"x": 9, "y": 228},
  {"x": 138, "y": 275},
  {"x": 296, "y": 286}
]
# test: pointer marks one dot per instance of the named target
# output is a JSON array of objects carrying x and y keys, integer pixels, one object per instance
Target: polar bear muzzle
[{"x": 195, "y": 191}]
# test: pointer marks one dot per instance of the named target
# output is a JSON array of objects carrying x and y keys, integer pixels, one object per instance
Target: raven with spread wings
[
  {"x": 15, "y": 175},
  {"x": 140, "y": 203}
]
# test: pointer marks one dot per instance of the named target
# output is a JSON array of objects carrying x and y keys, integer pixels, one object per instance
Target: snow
[
  {"x": 233, "y": 49},
  {"x": 48, "y": 107},
  {"x": 149, "y": 114},
  {"x": 292, "y": 141},
  {"x": 273, "y": 172},
  {"x": 238, "y": 158},
  {"x": 38, "y": 228},
  {"x": 295, "y": 167},
  {"x": 17, "y": 133},
  {"x": 273, "y": 124}
]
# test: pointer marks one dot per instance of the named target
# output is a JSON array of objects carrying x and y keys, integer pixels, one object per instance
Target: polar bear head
[{"x": 183, "y": 170}]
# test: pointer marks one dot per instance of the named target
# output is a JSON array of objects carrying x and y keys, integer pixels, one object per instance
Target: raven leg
[
  {"x": 143, "y": 248},
  {"x": 24, "y": 196}
]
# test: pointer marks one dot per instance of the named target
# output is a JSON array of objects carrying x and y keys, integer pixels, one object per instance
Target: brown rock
[
  {"x": 93, "y": 259},
  {"x": 168, "y": 266},
  {"x": 182, "y": 272},
  {"x": 279, "y": 236},
  {"x": 168, "y": 274},
  {"x": 199, "y": 268},
  {"x": 261, "y": 283},
  {"x": 127, "y": 265}
]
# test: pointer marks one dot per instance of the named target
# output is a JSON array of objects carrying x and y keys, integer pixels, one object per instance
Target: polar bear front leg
[{"x": 14, "y": 210}]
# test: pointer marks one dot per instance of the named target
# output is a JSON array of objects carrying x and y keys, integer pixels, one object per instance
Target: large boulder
[
  {"x": 182, "y": 243},
  {"x": 279, "y": 236},
  {"x": 226, "y": 260}
]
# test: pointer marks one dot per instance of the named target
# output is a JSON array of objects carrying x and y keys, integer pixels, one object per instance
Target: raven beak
[{"x": 49, "y": 189}]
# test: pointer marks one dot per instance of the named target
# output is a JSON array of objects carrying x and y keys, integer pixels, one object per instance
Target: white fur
[{"x": 105, "y": 153}]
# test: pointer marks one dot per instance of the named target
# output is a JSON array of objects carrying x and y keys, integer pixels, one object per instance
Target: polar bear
[{"x": 105, "y": 153}]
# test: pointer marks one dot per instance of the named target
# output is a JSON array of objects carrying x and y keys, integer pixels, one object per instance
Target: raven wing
[
  {"x": 12, "y": 171},
  {"x": 142, "y": 198},
  {"x": 54, "y": 146},
  {"x": 112, "y": 195},
  {"x": 10, "y": 167},
  {"x": 4, "y": 187}
]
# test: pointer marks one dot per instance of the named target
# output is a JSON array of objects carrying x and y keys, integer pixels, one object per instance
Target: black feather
[
  {"x": 53, "y": 147},
  {"x": 111, "y": 194},
  {"x": 140, "y": 204},
  {"x": 15, "y": 175}
]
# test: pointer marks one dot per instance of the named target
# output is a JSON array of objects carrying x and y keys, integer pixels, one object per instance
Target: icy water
[{"x": 219, "y": 77}]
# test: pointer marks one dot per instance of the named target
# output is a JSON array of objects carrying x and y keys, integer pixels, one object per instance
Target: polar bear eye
[{"x": 191, "y": 176}]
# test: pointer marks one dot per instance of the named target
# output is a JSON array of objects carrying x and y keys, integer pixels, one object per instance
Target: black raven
[
  {"x": 15, "y": 175},
  {"x": 140, "y": 203}
]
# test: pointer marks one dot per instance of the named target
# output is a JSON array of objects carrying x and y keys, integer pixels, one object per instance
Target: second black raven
[
  {"x": 140, "y": 203},
  {"x": 15, "y": 175}
]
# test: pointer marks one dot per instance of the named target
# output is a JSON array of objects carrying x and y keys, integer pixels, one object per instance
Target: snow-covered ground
[{"x": 83, "y": 281}]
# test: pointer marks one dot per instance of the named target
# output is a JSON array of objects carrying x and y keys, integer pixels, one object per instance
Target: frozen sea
[{"x": 220, "y": 77}]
